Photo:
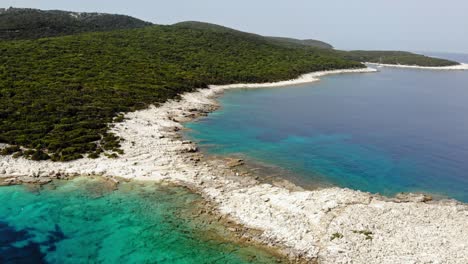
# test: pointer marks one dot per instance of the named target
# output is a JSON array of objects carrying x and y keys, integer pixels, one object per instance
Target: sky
[{"x": 413, "y": 25}]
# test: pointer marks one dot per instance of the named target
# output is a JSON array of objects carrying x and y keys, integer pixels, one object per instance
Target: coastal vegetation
[
  {"x": 303, "y": 42},
  {"x": 60, "y": 95},
  {"x": 336, "y": 236},
  {"x": 26, "y": 23},
  {"x": 384, "y": 57},
  {"x": 367, "y": 234},
  {"x": 395, "y": 57},
  {"x": 281, "y": 41}
]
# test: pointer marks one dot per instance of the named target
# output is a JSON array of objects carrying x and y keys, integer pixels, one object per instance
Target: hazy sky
[{"x": 417, "y": 25}]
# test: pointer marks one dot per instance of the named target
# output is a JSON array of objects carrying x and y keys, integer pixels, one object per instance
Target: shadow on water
[
  {"x": 17, "y": 246},
  {"x": 89, "y": 219}
]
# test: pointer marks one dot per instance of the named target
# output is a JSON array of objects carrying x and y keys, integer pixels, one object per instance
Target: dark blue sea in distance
[{"x": 398, "y": 130}]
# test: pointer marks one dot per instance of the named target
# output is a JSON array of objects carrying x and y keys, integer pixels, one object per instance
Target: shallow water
[
  {"x": 399, "y": 130},
  {"x": 87, "y": 221}
]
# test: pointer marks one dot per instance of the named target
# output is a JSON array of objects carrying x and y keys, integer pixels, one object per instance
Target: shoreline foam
[{"x": 367, "y": 228}]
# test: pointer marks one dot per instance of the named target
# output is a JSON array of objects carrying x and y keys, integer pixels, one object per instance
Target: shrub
[
  {"x": 93, "y": 155},
  {"x": 39, "y": 155},
  {"x": 9, "y": 150},
  {"x": 366, "y": 233},
  {"x": 336, "y": 236}
]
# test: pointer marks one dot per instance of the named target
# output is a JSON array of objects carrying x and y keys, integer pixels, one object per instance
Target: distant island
[{"x": 66, "y": 76}]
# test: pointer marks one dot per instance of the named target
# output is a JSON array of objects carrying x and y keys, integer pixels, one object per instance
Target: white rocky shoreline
[
  {"x": 332, "y": 225},
  {"x": 461, "y": 66}
]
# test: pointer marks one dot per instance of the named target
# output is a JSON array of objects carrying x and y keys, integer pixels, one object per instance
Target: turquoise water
[
  {"x": 398, "y": 130},
  {"x": 87, "y": 221}
]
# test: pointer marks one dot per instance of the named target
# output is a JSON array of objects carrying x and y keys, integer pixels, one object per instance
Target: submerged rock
[
  {"x": 413, "y": 197},
  {"x": 231, "y": 163}
]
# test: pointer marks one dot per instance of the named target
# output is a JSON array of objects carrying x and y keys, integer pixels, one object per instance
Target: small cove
[{"x": 399, "y": 130}]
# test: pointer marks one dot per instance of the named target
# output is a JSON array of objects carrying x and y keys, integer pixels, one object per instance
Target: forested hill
[
  {"x": 304, "y": 42},
  {"x": 23, "y": 23},
  {"x": 288, "y": 42},
  {"x": 58, "y": 95},
  {"x": 387, "y": 57}
]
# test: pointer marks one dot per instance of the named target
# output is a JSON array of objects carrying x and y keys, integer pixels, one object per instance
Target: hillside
[
  {"x": 303, "y": 42},
  {"x": 58, "y": 95},
  {"x": 287, "y": 42},
  {"x": 22, "y": 23},
  {"x": 387, "y": 57}
]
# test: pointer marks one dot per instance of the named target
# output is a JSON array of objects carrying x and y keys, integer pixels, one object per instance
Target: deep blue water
[{"x": 398, "y": 130}]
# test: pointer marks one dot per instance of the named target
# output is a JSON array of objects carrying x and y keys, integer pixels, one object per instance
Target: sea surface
[
  {"x": 87, "y": 220},
  {"x": 387, "y": 132},
  {"x": 398, "y": 130}
]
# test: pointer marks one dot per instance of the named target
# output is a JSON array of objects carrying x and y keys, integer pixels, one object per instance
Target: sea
[
  {"x": 397, "y": 130},
  {"x": 89, "y": 220}
]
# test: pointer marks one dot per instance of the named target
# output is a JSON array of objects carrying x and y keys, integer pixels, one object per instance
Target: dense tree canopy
[
  {"x": 286, "y": 42},
  {"x": 24, "y": 23},
  {"x": 395, "y": 57},
  {"x": 57, "y": 95},
  {"x": 304, "y": 42},
  {"x": 387, "y": 57}
]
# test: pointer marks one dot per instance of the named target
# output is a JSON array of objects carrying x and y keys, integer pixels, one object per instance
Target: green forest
[
  {"x": 59, "y": 95},
  {"x": 25, "y": 23},
  {"x": 285, "y": 42}
]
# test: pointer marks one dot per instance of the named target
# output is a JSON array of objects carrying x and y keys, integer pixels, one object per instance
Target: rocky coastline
[
  {"x": 461, "y": 66},
  {"x": 331, "y": 225}
]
